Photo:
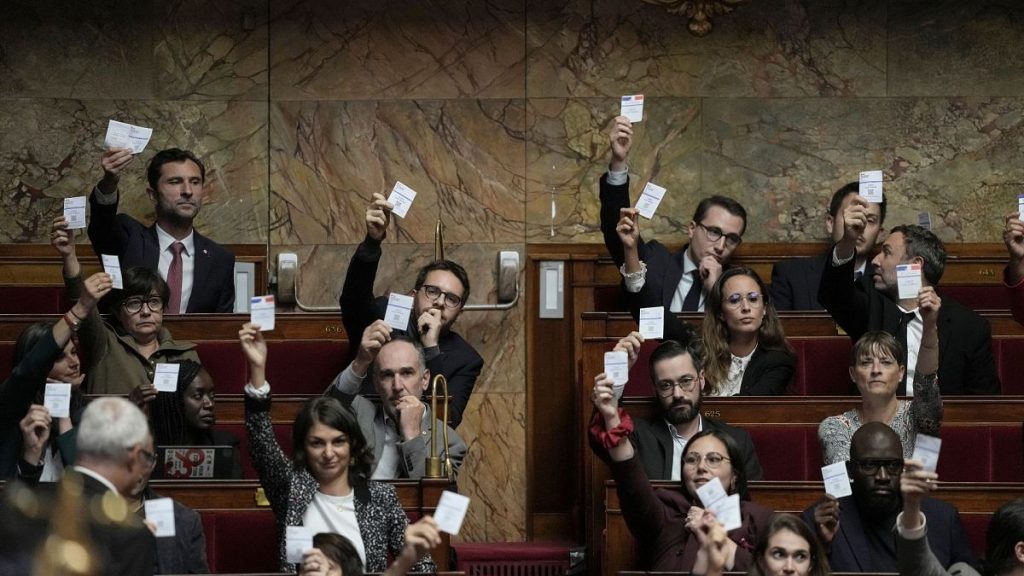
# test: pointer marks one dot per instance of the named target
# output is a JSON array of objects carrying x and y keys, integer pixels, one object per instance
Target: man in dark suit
[
  {"x": 677, "y": 376},
  {"x": 858, "y": 530},
  {"x": 439, "y": 295},
  {"x": 200, "y": 272},
  {"x": 677, "y": 281},
  {"x": 115, "y": 454},
  {"x": 966, "y": 365},
  {"x": 795, "y": 281}
]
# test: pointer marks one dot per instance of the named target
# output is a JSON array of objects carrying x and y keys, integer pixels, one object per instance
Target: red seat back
[
  {"x": 32, "y": 300},
  {"x": 284, "y": 438},
  {"x": 241, "y": 541}
]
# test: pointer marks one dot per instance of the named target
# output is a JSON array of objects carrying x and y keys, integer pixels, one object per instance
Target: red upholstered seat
[
  {"x": 991, "y": 297},
  {"x": 787, "y": 452},
  {"x": 512, "y": 558},
  {"x": 304, "y": 367},
  {"x": 1009, "y": 357},
  {"x": 822, "y": 366},
  {"x": 981, "y": 453},
  {"x": 32, "y": 300},
  {"x": 241, "y": 541},
  {"x": 284, "y": 438},
  {"x": 976, "y": 525},
  {"x": 225, "y": 363}
]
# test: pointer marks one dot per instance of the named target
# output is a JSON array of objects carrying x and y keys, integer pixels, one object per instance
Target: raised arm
[
  {"x": 104, "y": 234},
  {"x": 356, "y": 301}
]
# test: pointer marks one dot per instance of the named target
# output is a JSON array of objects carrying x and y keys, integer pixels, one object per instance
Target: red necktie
[{"x": 174, "y": 278}]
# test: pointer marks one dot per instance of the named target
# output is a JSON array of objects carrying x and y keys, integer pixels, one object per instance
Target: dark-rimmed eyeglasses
[
  {"x": 433, "y": 293},
  {"x": 133, "y": 305},
  {"x": 713, "y": 459},
  {"x": 892, "y": 466},
  {"x": 667, "y": 387},
  {"x": 714, "y": 234},
  {"x": 734, "y": 300}
]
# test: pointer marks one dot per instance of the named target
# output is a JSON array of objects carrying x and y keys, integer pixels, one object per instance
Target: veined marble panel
[
  {"x": 958, "y": 159},
  {"x": 785, "y": 48},
  {"x": 50, "y": 150},
  {"x": 951, "y": 48},
  {"x": 568, "y": 150},
  {"x": 499, "y": 336},
  {"x": 464, "y": 158},
  {"x": 382, "y": 49}
]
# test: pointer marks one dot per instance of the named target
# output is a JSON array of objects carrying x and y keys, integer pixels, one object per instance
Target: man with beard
[
  {"x": 677, "y": 375},
  {"x": 858, "y": 530},
  {"x": 439, "y": 295},
  {"x": 199, "y": 272},
  {"x": 398, "y": 428}
]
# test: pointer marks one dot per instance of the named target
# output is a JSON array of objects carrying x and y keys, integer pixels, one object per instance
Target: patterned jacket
[{"x": 290, "y": 491}]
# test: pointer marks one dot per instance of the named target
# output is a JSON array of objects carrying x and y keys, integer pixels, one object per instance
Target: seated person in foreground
[
  {"x": 398, "y": 429},
  {"x": 677, "y": 377},
  {"x": 665, "y": 523},
  {"x": 326, "y": 486},
  {"x": 859, "y": 530},
  {"x": 875, "y": 368},
  {"x": 120, "y": 354},
  {"x": 789, "y": 548},
  {"x": 745, "y": 348},
  {"x": 334, "y": 555}
]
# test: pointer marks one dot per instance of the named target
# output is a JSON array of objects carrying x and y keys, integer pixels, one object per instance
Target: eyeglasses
[
  {"x": 714, "y": 234},
  {"x": 893, "y": 466},
  {"x": 713, "y": 459},
  {"x": 735, "y": 299},
  {"x": 668, "y": 387},
  {"x": 149, "y": 458},
  {"x": 433, "y": 293},
  {"x": 133, "y": 305}
]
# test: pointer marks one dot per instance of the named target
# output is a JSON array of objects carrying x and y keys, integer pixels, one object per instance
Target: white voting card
[
  {"x": 57, "y": 399},
  {"x": 112, "y": 266},
  {"x": 924, "y": 220},
  {"x": 652, "y": 322},
  {"x": 398, "y": 312},
  {"x": 727, "y": 510},
  {"x": 712, "y": 491},
  {"x": 74, "y": 212},
  {"x": 871, "y": 186},
  {"x": 837, "y": 480},
  {"x": 161, "y": 512},
  {"x": 1020, "y": 205},
  {"x": 297, "y": 539},
  {"x": 121, "y": 135},
  {"x": 261, "y": 312},
  {"x": 908, "y": 278},
  {"x": 926, "y": 449},
  {"x": 649, "y": 199},
  {"x": 632, "y": 107},
  {"x": 401, "y": 198},
  {"x": 165, "y": 378},
  {"x": 616, "y": 367},
  {"x": 451, "y": 510}
]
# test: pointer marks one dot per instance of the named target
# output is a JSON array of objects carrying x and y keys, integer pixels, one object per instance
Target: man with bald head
[{"x": 858, "y": 530}]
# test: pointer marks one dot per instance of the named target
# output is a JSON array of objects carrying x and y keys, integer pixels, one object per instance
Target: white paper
[
  {"x": 261, "y": 312},
  {"x": 1020, "y": 205},
  {"x": 837, "y": 480},
  {"x": 712, "y": 491},
  {"x": 161, "y": 512},
  {"x": 401, "y": 198},
  {"x": 632, "y": 107},
  {"x": 908, "y": 279},
  {"x": 871, "y": 186},
  {"x": 649, "y": 200},
  {"x": 74, "y": 212},
  {"x": 298, "y": 539},
  {"x": 451, "y": 510},
  {"x": 616, "y": 368},
  {"x": 727, "y": 511},
  {"x": 398, "y": 312},
  {"x": 112, "y": 266},
  {"x": 57, "y": 399},
  {"x": 165, "y": 379},
  {"x": 924, "y": 220},
  {"x": 121, "y": 135},
  {"x": 926, "y": 449},
  {"x": 652, "y": 322}
]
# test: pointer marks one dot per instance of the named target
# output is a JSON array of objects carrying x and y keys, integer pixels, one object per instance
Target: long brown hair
[{"x": 716, "y": 334}]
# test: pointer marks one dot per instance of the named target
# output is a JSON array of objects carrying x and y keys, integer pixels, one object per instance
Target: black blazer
[
  {"x": 795, "y": 283},
  {"x": 966, "y": 365},
  {"x": 768, "y": 373},
  {"x": 185, "y": 553},
  {"x": 850, "y": 550},
  {"x": 213, "y": 276}
]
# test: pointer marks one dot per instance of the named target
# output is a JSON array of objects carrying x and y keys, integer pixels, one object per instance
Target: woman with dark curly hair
[
  {"x": 745, "y": 349},
  {"x": 326, "y": 486}
]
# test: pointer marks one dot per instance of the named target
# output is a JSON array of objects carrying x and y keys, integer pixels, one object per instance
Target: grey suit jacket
[{"x": 915, "y": 558}]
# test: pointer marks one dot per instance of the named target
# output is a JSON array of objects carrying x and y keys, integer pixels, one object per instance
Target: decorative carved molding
[{"x": 699, "y": 12}]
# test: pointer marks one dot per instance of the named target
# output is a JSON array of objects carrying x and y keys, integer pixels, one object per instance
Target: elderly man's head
[
  {"x": 876, "y": 464},
  {"x": 114, "y": 441}
]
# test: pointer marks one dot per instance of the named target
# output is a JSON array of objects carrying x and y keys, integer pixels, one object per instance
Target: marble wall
[{"x": 496, "y": 112}]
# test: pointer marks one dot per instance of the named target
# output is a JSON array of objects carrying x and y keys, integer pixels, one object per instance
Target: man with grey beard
[{"x": 677, "y": 376}]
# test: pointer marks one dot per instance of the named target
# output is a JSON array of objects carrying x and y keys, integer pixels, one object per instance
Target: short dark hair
[
  {"x": 156, "y": 165},
  {"x": 448, "y": 266},
  {"x": 782, "y": 521},
  {"x": 672, "y": 348},
  {"x": 1005, "y": 530},
  {"x": 330, "y": 412},
  {"x": 139, "y": 281},
  {"x": 878, "y": 341},
  {"x": 739, "y": 467},
  {"x": 728, "y": 204},
  {"x": 339, "y": 550},
  {"x": 923, "y": 243},
  {"x": 842, "y": 193}
]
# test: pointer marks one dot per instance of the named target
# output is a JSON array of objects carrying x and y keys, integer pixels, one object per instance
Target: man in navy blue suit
[
  {"x": 200, "y": 272},
  {"x": 859, "y": 530}
]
